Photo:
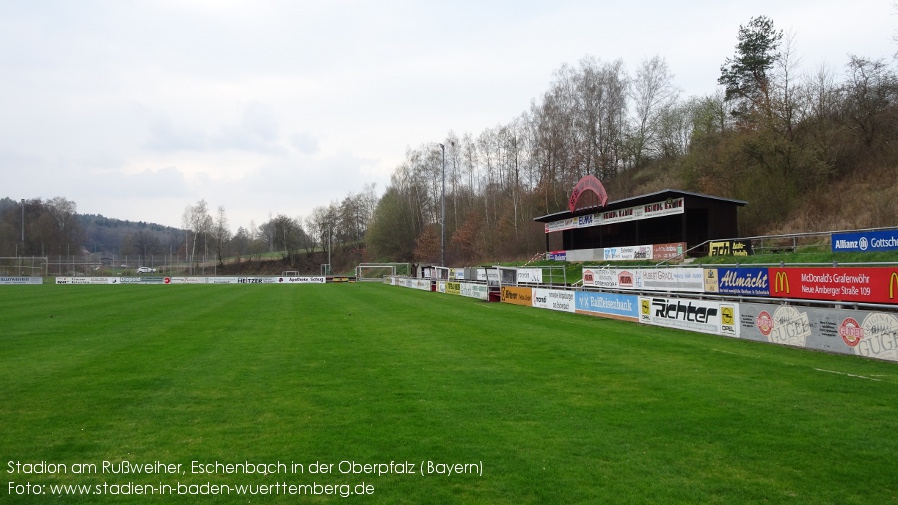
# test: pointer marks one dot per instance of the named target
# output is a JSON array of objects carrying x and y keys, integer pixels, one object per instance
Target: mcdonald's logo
[
  {"x": 781, "y": 283},
  {"x": 893, "y": 283}
]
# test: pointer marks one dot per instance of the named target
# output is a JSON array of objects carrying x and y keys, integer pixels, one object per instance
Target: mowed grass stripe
[{"x": 560, "y": 408}]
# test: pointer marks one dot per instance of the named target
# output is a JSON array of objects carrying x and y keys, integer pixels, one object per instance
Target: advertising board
[
  {"x": 867, "y": 241},
  {"x": 863, "y": 333},
  {"x": 626, "y": 253},
  {"x": 453, "y": 288},
  {"x": 668, "y": 251},
  {"x": 554, "y": 299},
  {"x": 611, "y": 305},
  {"x": 517, "y": 296},
  {"x": 671, "y": 279},
  {"x": 609, "y": 278},
  {"x": 9, "y": 281},
  {"x": 530, "y": 276},
  {"x": 471, "y": 290},
  {"x": 737, "y": 281},
  {"x": 849, "y": 284},
  {"x": 729, "y": 248},
  {"x": 694, "y": 315},
  {"x": 301, "y": 280}
]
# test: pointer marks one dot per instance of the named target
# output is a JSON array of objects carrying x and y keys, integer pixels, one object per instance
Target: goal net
[{"x": 377, "y": 271}]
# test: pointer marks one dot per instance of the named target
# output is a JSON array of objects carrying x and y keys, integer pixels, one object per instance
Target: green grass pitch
[{"x": 524, "y": 405}]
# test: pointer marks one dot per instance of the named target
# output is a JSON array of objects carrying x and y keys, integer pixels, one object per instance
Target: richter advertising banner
[
  {"x": 862, "y": 333},
  {"x": 856, "y": 284},
  {"x": 694, "y": 315},
  {"x": 868, "y": 241}
]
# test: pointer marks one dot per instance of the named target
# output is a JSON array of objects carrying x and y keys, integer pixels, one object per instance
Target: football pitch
[{"x": 366, "y": 393}]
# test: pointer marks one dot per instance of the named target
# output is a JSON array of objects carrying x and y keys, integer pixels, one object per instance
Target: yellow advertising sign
[{"x": 517, "y": 296}]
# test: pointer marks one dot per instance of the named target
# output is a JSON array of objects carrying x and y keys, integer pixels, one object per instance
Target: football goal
[{"x": 377, "y": 271}]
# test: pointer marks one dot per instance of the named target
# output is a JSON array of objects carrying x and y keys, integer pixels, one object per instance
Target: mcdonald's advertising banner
[
  {"x": 862, "y": 333},
  {"x": 849, "y": 284},
  {"x": 704, "y": 316}
]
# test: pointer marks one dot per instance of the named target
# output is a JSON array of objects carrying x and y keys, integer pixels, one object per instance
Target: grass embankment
[{"x": 559, "y": 408}]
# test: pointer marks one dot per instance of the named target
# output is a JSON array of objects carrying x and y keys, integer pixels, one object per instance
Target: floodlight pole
[
  {"x": 443, "y": 211},
  {"x": 23, "y": 226}
]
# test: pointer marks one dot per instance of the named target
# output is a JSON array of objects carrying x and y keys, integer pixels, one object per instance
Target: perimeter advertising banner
[
  {"x": 671, "y": 279},
  {"x": 517, "y": 296},
  {"x": 471, "y": 290},
  {"x": 868, "y": 241},
  {"x": 737, "y": 281},
  {"x": 554, "y": 299},
  {"x": 848, "y": 284},
  {"x": 453, "y": 288},
  {"x": 730, "y": 248},
  {"x": 21, "y": 280},
  {"x": 694, "y": 315},
  {"x": 611, "y": 305},
  {"x": 862, "y": 333},
  {"x": 609, "y": 278}
]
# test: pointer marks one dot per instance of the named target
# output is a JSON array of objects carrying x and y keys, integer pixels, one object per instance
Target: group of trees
[
  {"x": 49, "y": 227},
  {"x": 338, "y": 225},
  {"x": 768, "y": 136}
]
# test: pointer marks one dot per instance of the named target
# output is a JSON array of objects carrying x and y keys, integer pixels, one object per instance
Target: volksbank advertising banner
[
  {"x": 9, "y": 281},
  {"x": 694, "y": 315},
  {"x": 611, "y": 305},
  {"x": 737, "y": 281},
  {"x": 862, "y": 333},
  {"x": 867, "y": 241}
]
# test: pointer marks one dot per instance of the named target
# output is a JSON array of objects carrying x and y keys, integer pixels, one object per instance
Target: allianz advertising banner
[{"x": 868, "y": 241}]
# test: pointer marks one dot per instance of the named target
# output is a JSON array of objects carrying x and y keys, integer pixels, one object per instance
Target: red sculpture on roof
[{"x": 588, "y": 184}]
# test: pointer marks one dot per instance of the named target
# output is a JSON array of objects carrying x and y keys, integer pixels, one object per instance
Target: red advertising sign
[{"x": 856, "y": 284}]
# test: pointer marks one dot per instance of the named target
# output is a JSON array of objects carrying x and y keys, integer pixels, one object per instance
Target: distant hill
[{"x": 110, "y": 235}]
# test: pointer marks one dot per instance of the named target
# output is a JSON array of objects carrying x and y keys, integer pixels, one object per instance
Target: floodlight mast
[{"x": 443, "y": 211}]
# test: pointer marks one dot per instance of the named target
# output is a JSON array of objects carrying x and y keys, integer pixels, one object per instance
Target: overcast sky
[{"x": 135, "y": 110}]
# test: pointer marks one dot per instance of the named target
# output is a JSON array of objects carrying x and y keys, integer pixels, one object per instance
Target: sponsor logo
[
  {"x": 588, "y": 277},
  {"x": 167, "y": 280},
  {"x": 764, "y": 323},
  {"x": 683, "y": 311},
  {"x": 863, "y": 243},
  {"x": 781, "y": 283},
  {"x": 727, "y": 315},
  {"x": 625, "y": 279},
  {"x": 851, "y": 332},
  {"x": 893, "y": 283}
]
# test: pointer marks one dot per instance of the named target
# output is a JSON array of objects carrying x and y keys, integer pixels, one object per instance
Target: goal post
[{"x": 377, "y": 271}]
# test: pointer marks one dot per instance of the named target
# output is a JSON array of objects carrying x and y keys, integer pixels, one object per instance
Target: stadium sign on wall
[
  {"x": 868, "y": 241},
  {"x": 21, "y": 280},
  {"x": 848, "y": 284},
  {"x": 859, "y": 332},
  {"x": 694, "y": 315},
  {"x": 737, "y": 281},
  {"x": 636, "y": 213},
  {"x": 611, "y": 305}
]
